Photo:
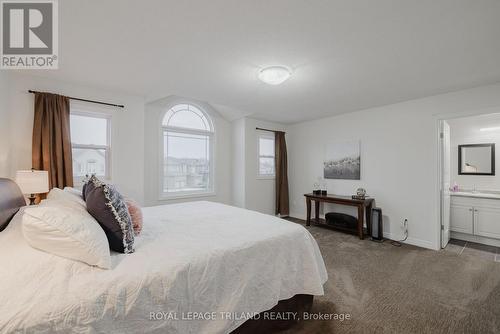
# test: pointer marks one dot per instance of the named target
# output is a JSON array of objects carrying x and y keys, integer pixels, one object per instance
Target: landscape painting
[{"x": 343, "y": 161}]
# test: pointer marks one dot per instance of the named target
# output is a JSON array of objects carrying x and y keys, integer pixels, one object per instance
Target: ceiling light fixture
[
  {"x": 496, "y": 128},
  {"x": 274, "y": 75}
]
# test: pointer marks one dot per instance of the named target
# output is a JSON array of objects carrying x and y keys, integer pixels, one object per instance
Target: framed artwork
[{"x": 343, "y": 161}]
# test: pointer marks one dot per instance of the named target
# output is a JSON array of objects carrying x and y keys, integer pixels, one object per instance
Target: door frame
[
  {"x": 437, "y": 145},
  {"x": 442, "y": 123}
]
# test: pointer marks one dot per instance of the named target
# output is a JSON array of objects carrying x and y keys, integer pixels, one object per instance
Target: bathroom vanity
[{"x": 475, "y": 216}]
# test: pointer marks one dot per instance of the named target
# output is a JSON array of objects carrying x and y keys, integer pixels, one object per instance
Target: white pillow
[
  {"x": 68, "y": 232},
  {"x": 74, "y": 191},
  {"x": 56, "y": 194}
]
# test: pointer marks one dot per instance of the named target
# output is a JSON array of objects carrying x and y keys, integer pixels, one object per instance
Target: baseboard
[
  {"x": 422, "y": 243},
  {"x": 389, "y": 235},
  {"x": 411, "y": 241}
]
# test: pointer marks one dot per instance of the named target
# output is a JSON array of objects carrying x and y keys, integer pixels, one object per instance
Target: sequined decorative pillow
[
  {"x": 108, "y": 207},
  {"x": 136, "y": 214}
]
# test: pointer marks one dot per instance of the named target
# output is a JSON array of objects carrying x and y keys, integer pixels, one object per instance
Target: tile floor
[{"x": 467, "y": 248}]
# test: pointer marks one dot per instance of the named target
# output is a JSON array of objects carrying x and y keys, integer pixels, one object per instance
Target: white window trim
[
  {"x": 264, "y": 134},
  {"x": 163, "y": 196},
  {"x": 77, "y": 110}
]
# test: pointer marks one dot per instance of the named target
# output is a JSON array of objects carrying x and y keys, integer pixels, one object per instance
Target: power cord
[{"x": 399, "y": 243}]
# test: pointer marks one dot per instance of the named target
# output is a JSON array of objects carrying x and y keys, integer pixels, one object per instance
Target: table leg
[
  {"x": 308, "y": 205},
  {"x": 361, "y": 216},
  {"x": 369, "y": 218},
  {"x": 316, "y": 211}
]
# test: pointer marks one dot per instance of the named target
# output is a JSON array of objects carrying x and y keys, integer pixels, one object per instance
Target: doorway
[{"x": 469, "y": 188}]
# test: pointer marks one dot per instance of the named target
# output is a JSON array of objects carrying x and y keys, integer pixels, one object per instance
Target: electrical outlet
[{"x": 405, "y": 225}]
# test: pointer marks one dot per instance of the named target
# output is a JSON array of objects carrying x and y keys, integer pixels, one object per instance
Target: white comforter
[{"x": 190, "y": 259}]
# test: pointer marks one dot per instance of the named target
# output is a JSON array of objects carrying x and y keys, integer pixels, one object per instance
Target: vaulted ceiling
[{"x": 346, "y": 55}]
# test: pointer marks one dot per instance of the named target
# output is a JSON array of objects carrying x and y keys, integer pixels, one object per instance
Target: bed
[{"x": 199, "y": 267}]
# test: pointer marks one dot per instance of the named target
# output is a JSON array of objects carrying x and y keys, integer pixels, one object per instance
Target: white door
[{"x": 445, "y": 183}]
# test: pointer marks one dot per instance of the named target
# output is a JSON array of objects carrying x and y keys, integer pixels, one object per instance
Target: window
[
  {"x": 90, "y": 143},
  {"x": 266, "y": 155},
  {"x": 187, "y": 164}
]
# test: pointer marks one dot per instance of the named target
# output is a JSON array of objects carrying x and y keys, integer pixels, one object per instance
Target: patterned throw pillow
[{"x": 108, "y": 207}]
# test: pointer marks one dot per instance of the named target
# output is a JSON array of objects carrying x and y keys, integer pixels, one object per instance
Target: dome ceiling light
[{"x": 274, "y": 75}]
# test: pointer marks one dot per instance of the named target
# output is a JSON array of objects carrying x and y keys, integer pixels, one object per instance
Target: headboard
[{"x": 11, "y": 199}]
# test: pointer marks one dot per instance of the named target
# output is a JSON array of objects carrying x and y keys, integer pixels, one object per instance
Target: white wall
[
  {"x": 4, "y": 125},
  {"x": 467, "y": 131},
  {"x": 398, "y": 157},
  {"x": 223, "y": 152},
  {"x": 256, "y": 193},
  {"x": 238, "y": 165},
  {"x": 127, "y": 129}
]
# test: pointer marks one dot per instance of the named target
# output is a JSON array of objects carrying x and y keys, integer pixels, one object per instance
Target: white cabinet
[
  {"x": 461, "y": 219},
  {"x": 487, "y": 222},
  {"x": 475, "y": 216}
]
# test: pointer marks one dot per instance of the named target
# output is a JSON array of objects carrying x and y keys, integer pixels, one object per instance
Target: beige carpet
[{"x": 387, "y": 289}]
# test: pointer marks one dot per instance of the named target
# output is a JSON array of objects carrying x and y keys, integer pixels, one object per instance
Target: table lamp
[{"x": 33, "y": 182}]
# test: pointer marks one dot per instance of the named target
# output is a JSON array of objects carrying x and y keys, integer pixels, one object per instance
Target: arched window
[{"x": 187, "y": 164}]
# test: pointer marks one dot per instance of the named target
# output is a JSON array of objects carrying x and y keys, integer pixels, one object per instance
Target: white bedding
[{"x": 192, "y": 257}]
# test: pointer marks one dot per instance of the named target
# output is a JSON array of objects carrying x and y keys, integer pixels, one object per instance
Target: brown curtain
[
  {"x": 52, "y": 139},
  {"x": 281, "y": 163}
]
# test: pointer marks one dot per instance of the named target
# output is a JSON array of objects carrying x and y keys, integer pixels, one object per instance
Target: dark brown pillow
[
  {"x": 83, "y": 190},
  {"x": 108, "y": 207}
]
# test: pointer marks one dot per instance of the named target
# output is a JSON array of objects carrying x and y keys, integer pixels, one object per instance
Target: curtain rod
[
  {"x": 85, "y": 100},
  {"x": 268, "y": 130}
]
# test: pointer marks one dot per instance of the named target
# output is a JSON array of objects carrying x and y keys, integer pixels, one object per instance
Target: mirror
[{"x": 476, "y": 159}]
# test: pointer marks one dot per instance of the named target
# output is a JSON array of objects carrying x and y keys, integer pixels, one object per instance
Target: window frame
[
  {"x": 83, "y": 111},
  {"x": 266, "y": 135},
  {"x": 163, "y": 129}
]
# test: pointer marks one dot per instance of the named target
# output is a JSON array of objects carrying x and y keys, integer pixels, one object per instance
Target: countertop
[{"x": 490, "y": 195}]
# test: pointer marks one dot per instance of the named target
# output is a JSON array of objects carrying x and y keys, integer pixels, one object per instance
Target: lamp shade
[{"x": 33, "y": 181}]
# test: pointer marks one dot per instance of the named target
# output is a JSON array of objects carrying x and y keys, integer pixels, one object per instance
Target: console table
[{"x": 364, "y": 208}]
